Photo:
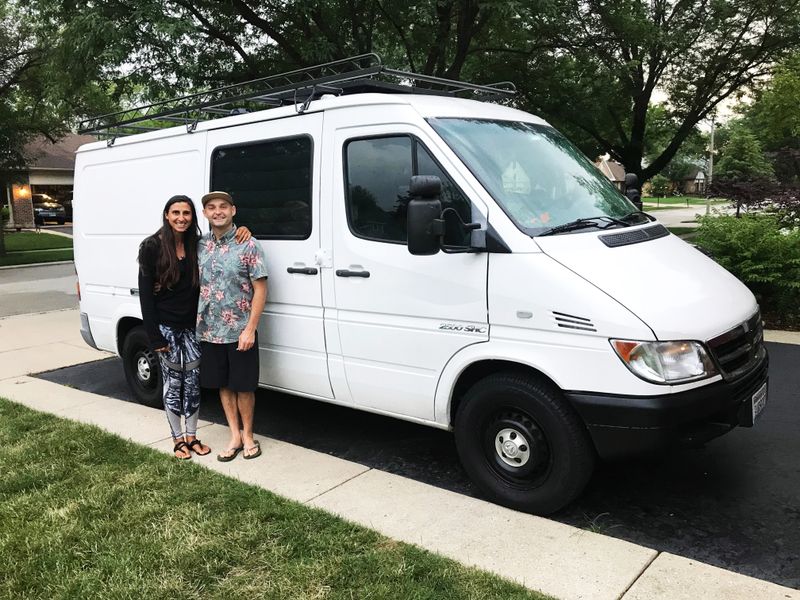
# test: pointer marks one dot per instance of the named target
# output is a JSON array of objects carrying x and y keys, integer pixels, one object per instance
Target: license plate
[{"x": 759, "y": 400}]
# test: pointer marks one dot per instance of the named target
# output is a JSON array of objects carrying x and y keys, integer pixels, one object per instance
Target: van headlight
[{"x": 666, "y": 362}]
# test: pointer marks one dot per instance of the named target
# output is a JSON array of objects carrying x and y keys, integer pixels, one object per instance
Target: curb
[{"x": 45, "y": 264}]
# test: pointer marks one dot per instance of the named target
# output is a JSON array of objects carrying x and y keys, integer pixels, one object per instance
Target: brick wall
[{"x": 22, "y": 210}]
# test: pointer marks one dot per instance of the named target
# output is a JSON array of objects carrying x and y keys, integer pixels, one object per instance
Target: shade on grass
[{"x": 85, "y": 514}]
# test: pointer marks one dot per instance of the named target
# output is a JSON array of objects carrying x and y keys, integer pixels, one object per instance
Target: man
[{"x": 233, "y": 290}]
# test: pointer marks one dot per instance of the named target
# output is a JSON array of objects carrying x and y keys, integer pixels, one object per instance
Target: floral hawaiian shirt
[{"x": 226, "y": 272}]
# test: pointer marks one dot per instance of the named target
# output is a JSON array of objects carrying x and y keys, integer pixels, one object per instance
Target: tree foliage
[
  {"x": 743, "y": 158},
  {"x": 592, "y": 67},
  {"x": 774, "y": 118}
]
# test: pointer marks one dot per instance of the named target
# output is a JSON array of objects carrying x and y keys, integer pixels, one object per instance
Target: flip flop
[
  {"x": 197, "y": 442},
  {"x": 256, "y": 454},
  {"x": 180, "y": 446},
  {"x": 230, "y": 457}
]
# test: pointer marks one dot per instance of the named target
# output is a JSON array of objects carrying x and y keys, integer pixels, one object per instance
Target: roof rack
[{"x": 357, "y": 74}]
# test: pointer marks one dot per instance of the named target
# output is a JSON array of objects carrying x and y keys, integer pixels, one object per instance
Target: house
[
  {"x": 613, "y": 170},
  {"x": 693, "y": 183},
  {"x": 49, "y": 174}
]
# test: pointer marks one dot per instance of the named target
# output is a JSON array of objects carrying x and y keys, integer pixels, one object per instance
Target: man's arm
[{"x": 248, "y": 337}]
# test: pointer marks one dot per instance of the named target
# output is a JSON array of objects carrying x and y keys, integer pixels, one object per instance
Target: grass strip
[
  {"x": 86, "y": 514},
  {"x": 35, "y": 256},
  {"x": 677, "y": 201},
  {"x": 29, "y": 240}
]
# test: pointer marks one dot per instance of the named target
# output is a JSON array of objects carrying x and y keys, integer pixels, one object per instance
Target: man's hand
[
  {"x": 246, "y": 339},
  {"x": 164, "y": 349}
]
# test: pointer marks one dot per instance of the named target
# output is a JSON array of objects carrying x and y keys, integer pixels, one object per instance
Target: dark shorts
[{"x": 223, "y": 366}]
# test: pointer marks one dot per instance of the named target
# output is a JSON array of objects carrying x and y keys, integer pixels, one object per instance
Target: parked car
[{"x": 45, "y": 208}]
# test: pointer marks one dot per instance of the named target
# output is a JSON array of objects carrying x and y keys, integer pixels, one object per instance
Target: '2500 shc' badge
[{"x": 464, "y": 328}]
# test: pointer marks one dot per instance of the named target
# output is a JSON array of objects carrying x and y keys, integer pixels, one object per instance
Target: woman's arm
[
  {"x": 242, "y": 234},
  {"x": 147, "y": 296}
]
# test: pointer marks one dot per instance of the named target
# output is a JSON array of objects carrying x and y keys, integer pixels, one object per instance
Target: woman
[{"x": 168, "y": 294}]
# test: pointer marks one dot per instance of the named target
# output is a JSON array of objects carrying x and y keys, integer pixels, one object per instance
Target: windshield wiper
[
  {"x": 601, "y": 222},
  {"x": 637, "y": 213}
]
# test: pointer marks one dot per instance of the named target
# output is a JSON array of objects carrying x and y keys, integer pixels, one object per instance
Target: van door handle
[
  {"x": 349, "y": 273},
  {"x": 302, "y": 270}
]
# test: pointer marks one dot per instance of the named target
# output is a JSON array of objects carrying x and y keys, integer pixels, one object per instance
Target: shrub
[
  {"x": 4, "y": 214},
  {"x": 659, "y": 186},
  {"x": 764, "y": 256}
]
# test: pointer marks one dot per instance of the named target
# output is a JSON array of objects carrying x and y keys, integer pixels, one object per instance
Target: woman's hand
[{"x": 242, "y": 234}]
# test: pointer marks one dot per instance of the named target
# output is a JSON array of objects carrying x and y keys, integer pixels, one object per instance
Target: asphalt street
[
  {"x": 25, "y": 290},
  {"x": 733, "y": 503}
]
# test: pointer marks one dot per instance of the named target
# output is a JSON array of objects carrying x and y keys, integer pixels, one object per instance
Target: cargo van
[{"x": 450, "y": 261}]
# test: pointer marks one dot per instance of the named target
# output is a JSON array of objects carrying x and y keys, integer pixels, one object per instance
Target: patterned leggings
[{"x": 180, "y": 372}]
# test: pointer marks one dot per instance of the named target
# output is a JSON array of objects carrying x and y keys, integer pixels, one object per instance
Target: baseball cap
[{"x": 217, "y": 196}]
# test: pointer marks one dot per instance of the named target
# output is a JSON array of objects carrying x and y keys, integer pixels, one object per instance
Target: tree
[
  {"x": 178, "y": 45},
  {"x": 743, "y": 158},
  {"x": 45, "y": 83},
  {"x": 774, "y": 118},
  {"x": 593, "y": 67}
]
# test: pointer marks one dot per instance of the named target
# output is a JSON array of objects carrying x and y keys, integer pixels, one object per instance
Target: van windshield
[{"x": 536, "y": 175}]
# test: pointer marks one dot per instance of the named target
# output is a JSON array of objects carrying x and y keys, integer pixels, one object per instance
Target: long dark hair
[{"x": 167, "y": 273}]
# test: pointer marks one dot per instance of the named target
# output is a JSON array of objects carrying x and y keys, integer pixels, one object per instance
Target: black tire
[
  {"x": 142, "y": 370},
  {"x": 60, "y": 221},
  {"x": 522, "y": 444}
]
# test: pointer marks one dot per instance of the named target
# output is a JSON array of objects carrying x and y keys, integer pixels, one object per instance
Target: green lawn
[
  {"x": 27, "y": 240},
  {"x": 85, "y": 514},
  {"x": 26, "y": 247}
]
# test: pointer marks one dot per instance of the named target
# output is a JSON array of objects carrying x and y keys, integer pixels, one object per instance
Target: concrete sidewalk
[
  {"x": 544, "y": 555},
  {"x": 685, "y": 216}
]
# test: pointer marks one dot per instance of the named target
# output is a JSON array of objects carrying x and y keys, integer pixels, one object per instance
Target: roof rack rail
[{"x": 357, "y": 74}]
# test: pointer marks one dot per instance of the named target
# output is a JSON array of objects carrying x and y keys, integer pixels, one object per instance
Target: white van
[{"x": 534, "y": 312}]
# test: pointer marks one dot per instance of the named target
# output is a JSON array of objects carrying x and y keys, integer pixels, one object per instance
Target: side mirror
[
  {"x": 632, "y": 191},
  {"x": 423, "y": 219}
]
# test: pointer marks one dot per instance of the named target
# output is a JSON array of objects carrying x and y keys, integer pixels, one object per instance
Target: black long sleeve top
[{"x": 174, "y": 307}]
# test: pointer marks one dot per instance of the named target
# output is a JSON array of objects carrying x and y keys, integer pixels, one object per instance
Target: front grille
[{"x": 738, "y": 350}]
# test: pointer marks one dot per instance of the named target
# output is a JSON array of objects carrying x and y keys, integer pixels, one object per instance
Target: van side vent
[
  {"x": 634, "y": 237},
  {"x": 572, "y": 322}
]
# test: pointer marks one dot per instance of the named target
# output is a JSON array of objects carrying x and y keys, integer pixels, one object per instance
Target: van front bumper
[{"x": 622, "y": 426}]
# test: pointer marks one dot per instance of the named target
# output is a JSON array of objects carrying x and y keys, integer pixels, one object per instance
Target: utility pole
[{"x": 710, "y": 178}]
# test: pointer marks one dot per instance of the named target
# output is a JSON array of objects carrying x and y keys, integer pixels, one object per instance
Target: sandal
[
  {"x": 229, "y": 457},
  {"x": 196, "y": 442},
  {"x": 256, "y": 454},
  {"x": 180, "y": 446}
]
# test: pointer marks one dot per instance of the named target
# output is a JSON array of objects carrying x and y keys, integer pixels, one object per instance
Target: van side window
[
  {"x": 271, "y": 184},
  {"x": 378, "y": 171}
]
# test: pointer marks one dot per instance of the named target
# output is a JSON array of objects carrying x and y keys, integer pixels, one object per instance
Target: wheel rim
[
  {"x": 516, "y": 448},
  {"x": 512, "y": 447},
  {"x": 144, "y": 368}
]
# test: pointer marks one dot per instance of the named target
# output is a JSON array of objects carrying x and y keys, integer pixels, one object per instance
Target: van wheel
[
  {"x": 522, "y": 444},
  {"x": 141, "y": 366}
]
